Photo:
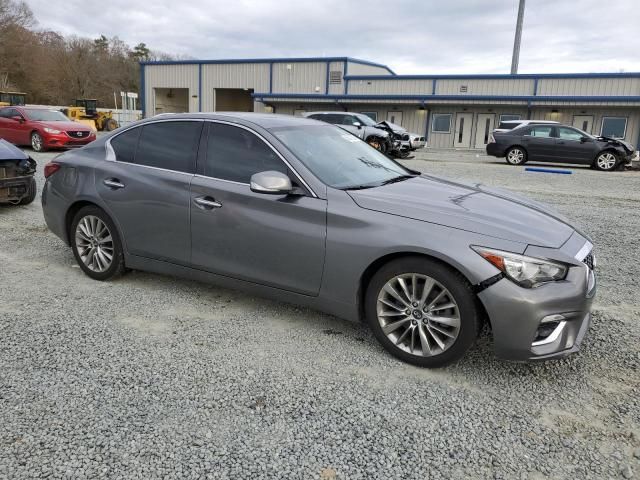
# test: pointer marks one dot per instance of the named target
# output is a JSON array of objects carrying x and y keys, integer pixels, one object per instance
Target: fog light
[{"x": 549, "y": 330}]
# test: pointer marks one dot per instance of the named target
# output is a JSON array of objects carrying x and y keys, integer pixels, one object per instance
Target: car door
[
  {"x": 573, "y": 146},
  {"x": 274, "y": 240},
  {"x": 4, "y": 121},
  {"x": 10, "y": 127},
  {"x": 147, "y": 187},
  {"x": 539, "y": 142}
]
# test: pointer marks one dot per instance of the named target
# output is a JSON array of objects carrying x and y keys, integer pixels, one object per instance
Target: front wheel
[
  {"x": 377, "y": 143},
  {"x": 422, "y": 312},
  {"x": 606, "y": 161},
  {"x": 516, "y": 156},
  {"x": 96, "y": 244},
  {"x": 37, "y": 144}
]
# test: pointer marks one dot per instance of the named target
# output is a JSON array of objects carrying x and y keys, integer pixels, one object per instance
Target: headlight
[
  {"x": 528, "y": 272},
  {"x": 52, "y": 130}
]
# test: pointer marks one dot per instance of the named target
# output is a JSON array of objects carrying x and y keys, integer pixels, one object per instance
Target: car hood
[
  {"x": 74, "y": 126},
  {"x": 8, "y": 151},
  {"x": 392, "y": 126},
  {"x": 471, "y": 207},
  {"x": 616, "y": 142}
]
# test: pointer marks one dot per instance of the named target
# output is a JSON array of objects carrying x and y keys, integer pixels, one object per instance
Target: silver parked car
[
  {"x": 359, "y": 124},
  {"x": 304, "y": 212}
]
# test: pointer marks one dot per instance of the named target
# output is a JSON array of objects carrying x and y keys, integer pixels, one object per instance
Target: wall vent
[{"x": 335, "y": 77}]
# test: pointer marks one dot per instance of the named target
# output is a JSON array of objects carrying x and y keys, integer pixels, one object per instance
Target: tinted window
[
  {"x": 614, "y": 127},
  {"x": 540, "y": 131},
  {"x": 441, "y": 123},
  {"x": 124, "y": 145},
  {"x": 507, "y": 116},
  {"x": 235, "y": 154},
  {"x": 317, "y": 116},
  {"x": 4, "y": 112},
  {"x": 569, "y": 134},
  {"x": 508, "y": 125},
  {"x": 169, "y": 145}
]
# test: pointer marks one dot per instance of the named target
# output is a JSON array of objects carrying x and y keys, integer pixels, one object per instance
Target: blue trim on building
[
  {"x": 535, "y": 86},
  {"x": 462, "y": 98},
  {"x": 427, "y": 122},
  {"x": 200, "y": 87},
  {"x": 433, "y": 86},
  {"x": 142, "y": 93},
  {"x": 498, "y": 76}
]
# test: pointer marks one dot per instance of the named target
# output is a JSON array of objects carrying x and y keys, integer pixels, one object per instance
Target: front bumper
[
  {"x": 62, "y": 140},
  {"x": 518, "y": 316},
  {"x": 14, "y": 189}
]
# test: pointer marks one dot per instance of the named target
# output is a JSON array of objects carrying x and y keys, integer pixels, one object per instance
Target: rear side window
[
  {"x": 508, "y": 126},
  {"x": 235, "y": 154},
  {"x": 124, "y": 145},
  {"x": 169, "y": 145}
]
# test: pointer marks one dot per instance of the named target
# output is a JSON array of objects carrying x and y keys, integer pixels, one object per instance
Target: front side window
[
  {"x": 235, "y": 154},
  {"x": 541, "y": 131},
  {"x": 569, "y": 134},
  {"x": 614, "y": 127},
  {"x": 441, "y": 123},
  {"x": 372, "y": 115},
  {"x": 338, "y": 158},
  {"x": 5, "y": 112}
]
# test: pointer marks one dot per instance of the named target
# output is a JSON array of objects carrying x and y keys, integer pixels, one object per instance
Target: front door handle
[
  {"x": 207, "y": 203},
  {"x": 113, "y": 183}
]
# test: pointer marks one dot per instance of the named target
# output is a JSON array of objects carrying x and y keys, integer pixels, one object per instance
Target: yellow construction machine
[
  {"x": 12, "y": 98},
  {"x": 86, "y": 111}
]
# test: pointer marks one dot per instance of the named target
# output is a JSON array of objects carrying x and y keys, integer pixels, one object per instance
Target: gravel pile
[{"x": 150, "y": 376}]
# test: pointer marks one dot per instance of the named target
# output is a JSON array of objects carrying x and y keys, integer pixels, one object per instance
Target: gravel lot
[{"x": 150, "y": 376}]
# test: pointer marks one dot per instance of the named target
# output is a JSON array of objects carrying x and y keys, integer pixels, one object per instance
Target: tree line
[{"x": 55, "y": 70}]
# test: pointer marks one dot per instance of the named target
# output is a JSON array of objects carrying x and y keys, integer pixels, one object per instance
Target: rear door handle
[
  {"x": 206, "y": 203},
  {"x": 113, "y": 183}
]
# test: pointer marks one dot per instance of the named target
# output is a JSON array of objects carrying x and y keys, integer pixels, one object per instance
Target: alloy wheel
[
  {"x": 94, "y": 243},
  {"x": 418, "y": 314},
  {"x": 606, "y": 161},
  {"x": 515, "y": 156},
  {"x": 36, "y": 142}
]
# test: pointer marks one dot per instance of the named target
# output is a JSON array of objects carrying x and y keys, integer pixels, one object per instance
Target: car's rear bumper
[{"x": 495, "y": 150}]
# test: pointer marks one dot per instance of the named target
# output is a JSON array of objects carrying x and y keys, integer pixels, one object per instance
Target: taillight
[{"x": 51, "y": 168}]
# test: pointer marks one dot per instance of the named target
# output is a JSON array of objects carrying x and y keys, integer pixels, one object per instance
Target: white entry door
[
  {"x": 484, "y": 127},
  {"x": 583, "y": 122},
  {"x": 395, "y": 117},
  {"x": 462, "y": 132}
]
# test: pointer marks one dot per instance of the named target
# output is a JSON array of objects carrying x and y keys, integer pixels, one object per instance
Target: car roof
[
  {"x": 332, "y": 112},
  {"x": 529, "y": 121},
  {"x": 264, "y": 120}
]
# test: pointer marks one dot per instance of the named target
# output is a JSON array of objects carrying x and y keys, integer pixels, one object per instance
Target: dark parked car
[
  {"x": 42, "y": 128},
  {"x": 298, "y": 210},
  {"x": 560, "y": 144},
  {"x": 17, "y": 185}
]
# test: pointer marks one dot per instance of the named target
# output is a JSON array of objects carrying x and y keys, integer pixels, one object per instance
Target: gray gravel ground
[{"x": 154, "y": 377}]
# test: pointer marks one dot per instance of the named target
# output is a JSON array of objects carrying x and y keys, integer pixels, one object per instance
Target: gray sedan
[{"x": 304, "y": 212}]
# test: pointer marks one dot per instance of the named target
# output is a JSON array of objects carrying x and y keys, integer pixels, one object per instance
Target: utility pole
[{"x": 516, "y": 41}]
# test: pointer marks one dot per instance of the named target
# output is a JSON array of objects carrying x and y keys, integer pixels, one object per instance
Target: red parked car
[{"x": 42, "y": 128}]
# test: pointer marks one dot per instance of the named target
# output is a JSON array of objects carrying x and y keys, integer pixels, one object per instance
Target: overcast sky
[{"x": 411, "y": 36}]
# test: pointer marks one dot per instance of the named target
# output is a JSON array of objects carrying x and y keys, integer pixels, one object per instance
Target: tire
[
  {"x": 32, "y": 190},
  {"x": 606, "y": 161},
  {"x": 377, "y": 143},
  {"x": 412, "y": 338},
  {"x": 37, "y": 144},
  {"x": 87, "y": 237},
  {"x": 516, "y": 156},
  {"x": 110, "y": 125}
]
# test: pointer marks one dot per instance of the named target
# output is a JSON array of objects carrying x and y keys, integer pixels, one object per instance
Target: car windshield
[
  {"x": 338, "y": 158},
  {"x": 41, "y": 115},
  {"x": 365, "y": 120}
]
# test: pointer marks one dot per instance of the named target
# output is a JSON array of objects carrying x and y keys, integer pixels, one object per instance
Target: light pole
[{"x": 516, "y": 40}]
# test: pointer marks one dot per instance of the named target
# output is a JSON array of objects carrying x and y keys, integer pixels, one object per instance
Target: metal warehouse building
[{"x": 453, "y": 111}]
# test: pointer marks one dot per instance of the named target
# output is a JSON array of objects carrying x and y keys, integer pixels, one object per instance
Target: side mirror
[
  {"x": 584, "y": 139},
  {"x": 271, "y": 182},
  {"x": 17, "y": 118},
  {"x": 357, "y": 124}
]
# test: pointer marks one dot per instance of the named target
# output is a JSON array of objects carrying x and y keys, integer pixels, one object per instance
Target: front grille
[
  {"x": 590, "y": 261},
  {"x": 78, "y": 133}
]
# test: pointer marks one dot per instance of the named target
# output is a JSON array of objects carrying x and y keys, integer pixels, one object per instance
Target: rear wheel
[
  {"x": 110, "y": 125},
  {"x": 32, "y": 189},
  {"x": 606, "y": 161},
  {"x": 422, "y": 312},
  {"x": 96, "y": 244},
  {"x": 37, "y": 144},
  {"x": 516, "y": 156}
]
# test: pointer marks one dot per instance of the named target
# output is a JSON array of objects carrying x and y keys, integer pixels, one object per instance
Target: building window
[
  {"x": 372, "y": 115},
  {"x": 441, "y": 123},
  {"x": 509, "y": 116},
  {"x": 335, "y": 77},
  {"x": 614, "y": 127}
]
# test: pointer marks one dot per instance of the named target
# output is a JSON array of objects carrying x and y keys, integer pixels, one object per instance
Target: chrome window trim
[{"x": 111, "y": 154}]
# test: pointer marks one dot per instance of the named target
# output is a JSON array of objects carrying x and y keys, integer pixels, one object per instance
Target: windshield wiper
[{"x": 399, "y": 178}]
